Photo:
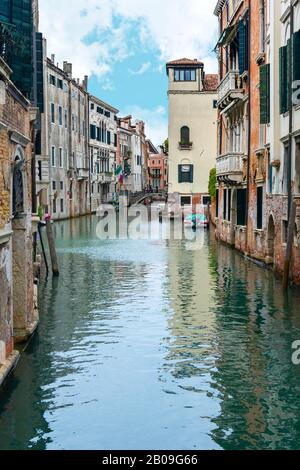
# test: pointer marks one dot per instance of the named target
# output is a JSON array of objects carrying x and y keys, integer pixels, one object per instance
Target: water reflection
[{"x": 149, "y": 344}]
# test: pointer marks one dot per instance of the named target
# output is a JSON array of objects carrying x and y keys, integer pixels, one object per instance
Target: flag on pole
[{"x": 119, "y": 174}]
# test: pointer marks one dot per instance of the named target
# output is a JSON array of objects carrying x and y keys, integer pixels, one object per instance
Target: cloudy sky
[{"x": 123, "y": 46}]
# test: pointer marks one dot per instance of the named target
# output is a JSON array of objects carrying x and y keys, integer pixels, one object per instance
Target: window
[
  {"x": 92, "y": 106},
  {"x": 93, "y": 132},
  {"x": 116, "y": 140},
  {"x": 40, "y": 170},
  {"x": 54, "y": 206},
  {"x": 185, "y": 75},
  {"x": 61, "y": 205},
  {"x": 217, "y": 203},
  {"x": 61, "y": 185},
  {"x": 185, "y": 173},
  {"x": 225, "y": 204},
  {"x": 284, "y": 78},
  {"x": 241, "y": 206},
  {"x": 259, "y": 201},
  {"x": 229, "y": 206},
  {"x": 98, "y": 133},
  {"x": 185, "y": 135},
  {"x": 60, "y": 116},
  {"x": 66, "y": 118},
  {"x": 107, "y": 114},
  {"x": 264, "y": 88},
  {"x": 206, "y": 200},
  {"x": 52, "y": 80},
  {"x": 285, "y": 170},
  {"x": 52, "y": 113},
  {"x": 108, "y": 137},
  {"x": 185, "y": 200},
  {"x": 53, "y": 185},
  {"x": 61, "y": 158},
  {"x": 99, "y": 110},
  {"x": 53, "y": 162},
  {"x": 60, "y": 84},
  {"x": 285, "y": 227},
  {"x": 215, "y": 104}
]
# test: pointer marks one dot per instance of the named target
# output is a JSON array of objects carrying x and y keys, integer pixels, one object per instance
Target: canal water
[{"x": 154, "y": 345}]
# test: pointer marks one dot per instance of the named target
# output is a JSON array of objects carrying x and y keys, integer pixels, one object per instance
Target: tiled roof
[
  {"x": 211, "y": 82},
  {"x": 185, "y": 61}
]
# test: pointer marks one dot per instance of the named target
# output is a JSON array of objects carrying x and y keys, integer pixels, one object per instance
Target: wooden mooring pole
[
  {"x": 289, "y": 246},
  {"x": 52, "y": 249}
]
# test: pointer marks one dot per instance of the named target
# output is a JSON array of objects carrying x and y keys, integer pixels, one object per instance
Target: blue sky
[{"x": 123, "y": 46}]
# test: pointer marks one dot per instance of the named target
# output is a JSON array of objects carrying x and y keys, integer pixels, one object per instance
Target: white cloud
[
  {"x": 143, "y": 69},
  {"x": 176, "y": 31},
  {"x": 156, "y": 121}
]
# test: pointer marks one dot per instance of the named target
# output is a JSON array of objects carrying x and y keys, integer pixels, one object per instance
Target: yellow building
[{"x": 192, "y": 131}]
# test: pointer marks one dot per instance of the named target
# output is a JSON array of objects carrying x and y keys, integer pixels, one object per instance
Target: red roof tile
[{"x": 185, "y": 61}]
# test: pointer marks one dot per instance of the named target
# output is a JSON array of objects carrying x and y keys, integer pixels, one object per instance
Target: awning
[{"x": 227, "y": 36}]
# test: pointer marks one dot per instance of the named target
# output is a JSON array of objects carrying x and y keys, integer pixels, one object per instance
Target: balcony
[
  {"x": 231, "y": 88},
  {"x": 185, "y": 145},
  {"x": 82, "y": 173},
  {"x": 230, "y": 167}
]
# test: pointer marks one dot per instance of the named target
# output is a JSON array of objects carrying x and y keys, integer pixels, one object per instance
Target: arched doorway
[{"x": 271, "y": 240}]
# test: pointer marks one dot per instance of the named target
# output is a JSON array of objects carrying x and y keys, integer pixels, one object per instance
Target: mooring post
[
  {"x": 51, "y": 244},
  {"x": 289, "y": 246}
]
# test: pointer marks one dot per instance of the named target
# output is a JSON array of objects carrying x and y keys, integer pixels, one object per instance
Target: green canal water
[{"x": 150, "y": 345}]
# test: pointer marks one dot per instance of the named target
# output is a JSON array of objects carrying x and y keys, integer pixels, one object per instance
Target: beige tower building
[{"x": 192, "y": 131}]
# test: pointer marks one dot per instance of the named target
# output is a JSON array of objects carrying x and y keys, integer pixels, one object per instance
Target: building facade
[
  {"x": 258, "y": 128},
  {"x": 18, "y": 309},
  {"x": 103, "y": 151},
  {"x": 62, "y": 165},
  {"x": 192, "y": 130},
  {"x": 157, "y": 169},
  {"x": 132, "y": 155}
]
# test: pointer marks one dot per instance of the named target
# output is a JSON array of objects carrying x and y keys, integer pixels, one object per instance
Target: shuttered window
[
  {"x": 185, "y": 173},
  {"x": 243, "y": 33},
  {"x": 264, "y": 94},
  {"x": 296, "y": 56},
  {"x": 283, "y": 79},
  {"x": 283, "y": 70},
  {"x": 93, "y": 131}
]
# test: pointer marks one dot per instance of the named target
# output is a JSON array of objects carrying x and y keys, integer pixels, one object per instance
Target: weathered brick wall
[{"x": 14, "y": 117}]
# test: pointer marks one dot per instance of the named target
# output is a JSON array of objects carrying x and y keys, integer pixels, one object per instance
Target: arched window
[
  {"x": 18, "y": 189},
  {"x": 185, "y": 135}
]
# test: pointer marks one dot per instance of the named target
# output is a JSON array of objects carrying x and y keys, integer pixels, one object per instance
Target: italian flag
[{"x": 119, "y": 174}]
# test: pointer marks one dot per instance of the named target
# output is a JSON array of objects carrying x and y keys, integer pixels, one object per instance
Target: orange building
[{"x": 157, "y": 168}]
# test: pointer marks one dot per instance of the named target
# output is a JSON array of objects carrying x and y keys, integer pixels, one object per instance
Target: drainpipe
[{"x": 249, "y": 128}]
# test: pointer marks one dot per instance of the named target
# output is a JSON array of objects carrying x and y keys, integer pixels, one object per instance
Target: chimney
[
  {"x": 86, "y": 82},
  {"x": 68, "y": 69},
  {"x": 53, "y": 58}
]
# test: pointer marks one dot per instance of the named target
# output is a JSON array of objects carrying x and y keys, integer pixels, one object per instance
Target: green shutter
[
  {"x": 192, "y": 174},
  {"x": 289, "y": 72},
  {"x": 296, "y": 56},
  {"x": 179, "y": 174},
  {"x": 264, "y": 94},
  {"x": 243, "y": 29},
  {"x": 283, "y": 70}
]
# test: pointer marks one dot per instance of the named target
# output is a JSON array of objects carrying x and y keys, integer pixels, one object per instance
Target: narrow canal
[{"x": 149, "y": 345}]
